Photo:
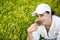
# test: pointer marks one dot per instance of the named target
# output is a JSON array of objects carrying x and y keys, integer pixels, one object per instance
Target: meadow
[{"x": 15, "y": 17}]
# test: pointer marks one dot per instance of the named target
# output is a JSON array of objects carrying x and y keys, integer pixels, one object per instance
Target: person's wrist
[{"x": 29, "y": 32}]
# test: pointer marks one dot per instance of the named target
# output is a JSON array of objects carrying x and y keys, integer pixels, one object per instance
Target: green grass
[{"x": 15, "y": 17}]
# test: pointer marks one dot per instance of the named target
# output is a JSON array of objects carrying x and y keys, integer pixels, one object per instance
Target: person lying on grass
[{"x": 47, "y": 24}]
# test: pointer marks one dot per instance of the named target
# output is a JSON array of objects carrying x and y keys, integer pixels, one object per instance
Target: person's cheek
[{"x": 44, "y": 20}]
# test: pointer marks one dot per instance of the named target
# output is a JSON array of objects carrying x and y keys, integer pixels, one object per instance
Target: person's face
[{"x": 44, "y": 18}]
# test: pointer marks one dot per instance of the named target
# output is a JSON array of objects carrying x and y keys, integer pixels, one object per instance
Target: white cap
[{"x": 41, "y": 9}]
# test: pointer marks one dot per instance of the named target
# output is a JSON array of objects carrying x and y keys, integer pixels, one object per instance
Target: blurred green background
[{"x": 15, "y": 17}]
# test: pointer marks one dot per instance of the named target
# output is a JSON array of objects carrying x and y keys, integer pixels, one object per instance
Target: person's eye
[
  {"x": 41, "y": 15},
  {"x": 37, "y": 16}
]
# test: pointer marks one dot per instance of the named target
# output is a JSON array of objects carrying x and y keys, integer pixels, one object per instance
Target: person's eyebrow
[{"x": 42, "y": 14}]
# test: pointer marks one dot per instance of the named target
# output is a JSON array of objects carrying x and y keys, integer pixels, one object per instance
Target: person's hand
[
  {"x": 32, "y": 28},
  {"x": 38, "y": 21}
]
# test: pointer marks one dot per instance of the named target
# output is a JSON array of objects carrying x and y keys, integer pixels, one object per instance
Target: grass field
[{"x": 15, "y": 17}]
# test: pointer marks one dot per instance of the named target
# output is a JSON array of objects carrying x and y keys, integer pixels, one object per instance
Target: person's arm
[
  {"x": 29, "y": 36},
  {"x": 31, "y": 29}
]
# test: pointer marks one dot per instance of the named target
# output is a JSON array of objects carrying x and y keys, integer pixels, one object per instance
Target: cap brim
[{"x": 33, "y": 14}]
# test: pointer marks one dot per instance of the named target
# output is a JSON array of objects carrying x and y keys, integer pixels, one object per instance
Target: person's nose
[{"x": 39, "y": 18}]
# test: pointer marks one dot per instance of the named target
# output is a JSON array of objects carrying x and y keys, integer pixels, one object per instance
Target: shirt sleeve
[
  {"x": 36, "y": 34},
  {"x": 58, "y": 35}
]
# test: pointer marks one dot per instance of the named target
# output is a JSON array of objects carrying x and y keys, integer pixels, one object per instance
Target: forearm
[{"x": 29, "y": 36}]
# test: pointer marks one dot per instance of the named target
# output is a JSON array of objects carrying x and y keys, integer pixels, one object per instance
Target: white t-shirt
[{"x": 54, "y": 31}]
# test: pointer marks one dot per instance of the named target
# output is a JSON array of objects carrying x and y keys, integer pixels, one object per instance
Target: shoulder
[{"x": 56, "y": 21}]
